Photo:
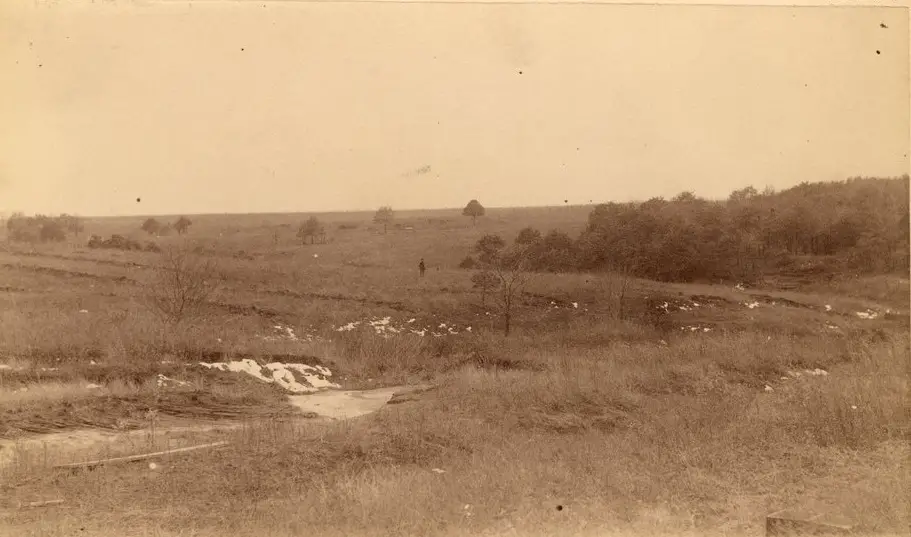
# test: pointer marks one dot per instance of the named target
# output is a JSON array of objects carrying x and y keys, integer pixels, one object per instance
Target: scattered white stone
[
  {"x": 315, "y": 255},
  {"x": 751, "y": 305},
  {"x": 348, "y": 327},
  {"x": 153, "y": 466},
  {"x": 83, "y": 311},
  {"x": 828, "y": 307},
  {"x": 468, "y": 329},
  {"x": 853, "y": 407},
  {"x": 92, "y": 386},
  {"x": 438, "y": 471},
  {"x": 817, "y": 372},
  {"x": 739, "y": 287},
  {"x": 164, "y": 381},
  {"x": 314, "y": 377},
  {"x": 409, "y": 321},
  {"x": 768, "y": 388},
  {"x": 869, "y": 314},
  {"x": 576, "y": 305},
  {"x": 706, "y": 329}
]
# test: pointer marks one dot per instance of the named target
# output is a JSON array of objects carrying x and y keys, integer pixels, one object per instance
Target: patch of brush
[
  {"x": 102, "y": 412},
  {"x": 577, "y": 418},
  {"x": 483, "y": 360},
  {"x": 132, "y": 411}
]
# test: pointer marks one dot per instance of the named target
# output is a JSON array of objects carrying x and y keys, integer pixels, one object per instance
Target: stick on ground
[{"x": 144, "y": 456}]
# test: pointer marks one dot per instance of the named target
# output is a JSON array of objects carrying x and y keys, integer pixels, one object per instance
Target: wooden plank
[{"x": 132, "y": 458}]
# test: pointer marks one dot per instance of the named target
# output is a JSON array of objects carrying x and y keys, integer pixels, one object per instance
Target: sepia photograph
[{"x": 332, "y": 268}]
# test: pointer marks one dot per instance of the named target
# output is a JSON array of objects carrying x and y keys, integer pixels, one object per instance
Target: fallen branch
[{"x": 144, "y": 456}]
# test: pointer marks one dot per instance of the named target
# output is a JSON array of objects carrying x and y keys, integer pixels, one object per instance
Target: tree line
[
  {"x": 42, "y": 228},
  {"x": 860, "y": 225}
]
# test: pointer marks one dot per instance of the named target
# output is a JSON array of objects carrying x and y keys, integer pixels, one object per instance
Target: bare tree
[
  {"x": 485, "y": 281},
  {"x": 510, "y": 269},
  {"x": 182, "y": 283},
  {"x": 615, "y": 284}
]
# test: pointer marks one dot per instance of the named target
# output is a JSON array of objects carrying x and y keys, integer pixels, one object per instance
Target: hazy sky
[{"x": 260, "y": 107}]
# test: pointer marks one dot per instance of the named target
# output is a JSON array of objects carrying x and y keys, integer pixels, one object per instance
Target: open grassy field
[{"x": 668, "y": 409}]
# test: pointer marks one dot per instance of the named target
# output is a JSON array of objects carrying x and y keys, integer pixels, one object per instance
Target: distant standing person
[{"x": 422, "y": 267}]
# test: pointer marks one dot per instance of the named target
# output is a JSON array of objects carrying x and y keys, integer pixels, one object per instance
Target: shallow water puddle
[{"x": 344, "y": 404}]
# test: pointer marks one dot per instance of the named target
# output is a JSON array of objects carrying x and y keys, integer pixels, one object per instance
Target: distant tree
[
  {"x": 311, "y": 228},
  {"x": 151, "y": 226},
  {"x": 556, "y": 252},
  {"x": 384, "y": 216},
  {"x": 52, "y": 231},
  {"x": 72, "y": 223},
  {"x": 467, "y": 263},
  {"x": 684, "y": 197},
  {"x": 488, "y": 248},
  {"x": 528, "y": 236},
  {"x": 743, "y": 194},
  {"x": 474, "y": 209},
  {"x": 182, "y": 225}
]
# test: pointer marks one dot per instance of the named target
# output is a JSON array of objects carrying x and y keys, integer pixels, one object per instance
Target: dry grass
[
  {"x": 591, "y": 432},
  {"x": 631, "y": 425}
]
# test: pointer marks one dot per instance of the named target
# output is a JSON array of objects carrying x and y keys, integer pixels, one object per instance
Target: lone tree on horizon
[
  {"x": 474, "y": 209},
  {"x": 151, "y": 226},
  {"x": 384, "y": 215},
  {"x": 182, "y": 225},
  {"x": 311, "y": 228}
]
